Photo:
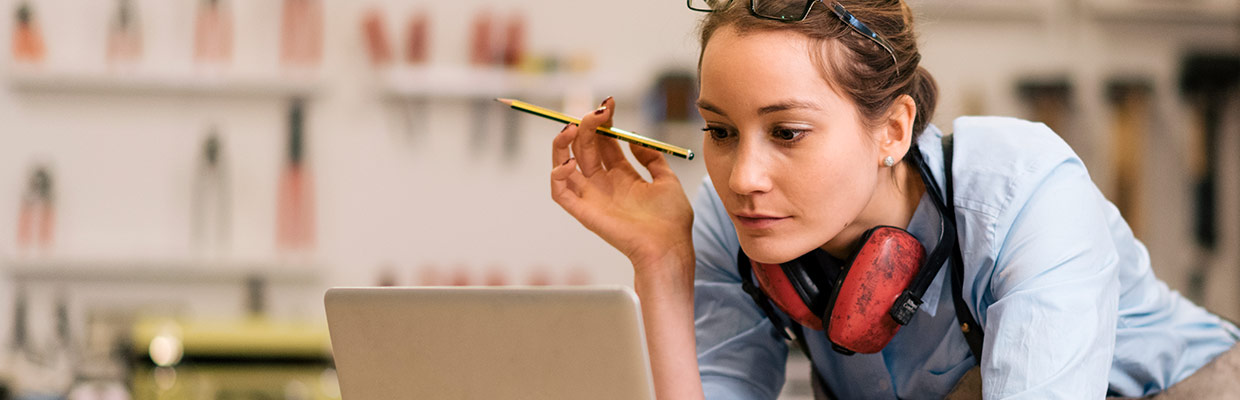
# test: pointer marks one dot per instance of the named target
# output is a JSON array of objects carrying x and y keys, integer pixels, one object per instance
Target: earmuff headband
[{"x": 908, "y": 302}]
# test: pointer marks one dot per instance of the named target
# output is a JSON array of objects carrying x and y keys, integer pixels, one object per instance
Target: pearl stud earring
[{"x": 887, "y": 162}]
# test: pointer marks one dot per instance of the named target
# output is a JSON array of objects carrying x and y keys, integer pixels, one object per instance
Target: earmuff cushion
[
  {"x": 776, "y": 284},
  {"x": 813, "y": 275},
  {"x": 880, "y": 271}
]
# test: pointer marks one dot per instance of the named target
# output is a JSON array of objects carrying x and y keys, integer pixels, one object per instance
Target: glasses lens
[
  {"x": 708, "y": 5},
  {"x": 781, "y": 9}
]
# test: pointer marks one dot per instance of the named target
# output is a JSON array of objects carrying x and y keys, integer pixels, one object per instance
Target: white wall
[{"x": 123, "y": 162}]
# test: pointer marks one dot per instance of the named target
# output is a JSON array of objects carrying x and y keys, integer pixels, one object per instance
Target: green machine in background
[{"x": 247, "y": 359}]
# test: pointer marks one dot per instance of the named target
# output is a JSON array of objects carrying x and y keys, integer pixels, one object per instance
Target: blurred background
[{"x": 180, "y": 180}]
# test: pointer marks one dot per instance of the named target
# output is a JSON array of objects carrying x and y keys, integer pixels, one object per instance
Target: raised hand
[{"x": 594, "y": 182}]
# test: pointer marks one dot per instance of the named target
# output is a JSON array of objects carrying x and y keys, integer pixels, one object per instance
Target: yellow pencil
[{"x": 612, "y": 132}]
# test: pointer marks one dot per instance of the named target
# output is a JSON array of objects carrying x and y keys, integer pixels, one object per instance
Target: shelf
[
  {"x": 162, "y": 271},
  {"x": 483, "y": 83},
  {"x": 35, "y": 79}
]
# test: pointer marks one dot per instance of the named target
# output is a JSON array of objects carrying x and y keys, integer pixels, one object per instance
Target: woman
[{"x": 816, "y": 116}]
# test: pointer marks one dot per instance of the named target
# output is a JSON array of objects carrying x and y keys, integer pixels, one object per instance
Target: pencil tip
[{"x": 503, "y": 100}]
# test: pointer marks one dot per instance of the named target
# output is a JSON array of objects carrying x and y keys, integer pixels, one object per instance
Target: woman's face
[{"x": 788, "y": 155}]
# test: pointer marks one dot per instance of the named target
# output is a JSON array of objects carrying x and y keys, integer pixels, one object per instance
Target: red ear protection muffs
[{"x": 861, "y": 303}]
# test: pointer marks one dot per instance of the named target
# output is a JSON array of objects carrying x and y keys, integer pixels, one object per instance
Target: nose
[{"x": 750, "y": 171}]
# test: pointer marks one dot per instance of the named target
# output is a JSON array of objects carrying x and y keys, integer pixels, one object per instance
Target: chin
[{"x": 773, "y": 249}]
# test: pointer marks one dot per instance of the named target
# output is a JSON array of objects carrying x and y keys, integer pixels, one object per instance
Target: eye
[
  {"x": 717, "y": 134},
  {"x": 788, "y": 135}
]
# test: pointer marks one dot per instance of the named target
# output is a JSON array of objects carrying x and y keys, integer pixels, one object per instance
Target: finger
[
  {"x": 560, "y": 152},
  {"x": 610, "y": 103},
  {"x": 612, "y": 157},
  {"x": 561, "y": 193},
  {"x": 584, "y": 148},
  {"x": 609, "y": 149},
  {"x": 566, "y": 180},
  {"x": 653, "y": 160}
]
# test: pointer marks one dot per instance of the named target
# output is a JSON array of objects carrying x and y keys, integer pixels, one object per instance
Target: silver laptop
[{"x": 488, "y": 343}]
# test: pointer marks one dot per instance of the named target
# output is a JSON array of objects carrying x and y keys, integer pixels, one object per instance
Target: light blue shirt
[{"x": 1070, "y": 306}]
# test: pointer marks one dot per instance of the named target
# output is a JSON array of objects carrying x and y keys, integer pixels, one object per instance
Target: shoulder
[
  {"x": 1014, "y": 182},
  {"x": 999, "y": 162}
]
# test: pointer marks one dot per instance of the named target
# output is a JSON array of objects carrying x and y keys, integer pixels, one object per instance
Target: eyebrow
[
  {"x": 785, "y": 105},
  {"x": 705, "y": 105}
]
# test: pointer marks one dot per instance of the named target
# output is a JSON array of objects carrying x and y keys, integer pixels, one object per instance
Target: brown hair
[{"x": 860, "y": 68}]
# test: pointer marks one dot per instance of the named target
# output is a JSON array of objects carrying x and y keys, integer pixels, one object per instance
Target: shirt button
[{"x": 964, "y": 327}]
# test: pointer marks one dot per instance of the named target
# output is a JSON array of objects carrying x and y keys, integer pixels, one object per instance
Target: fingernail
[
  {"x": 566, "y": 127},
  {"x": 566, "y": 161},
  {"x": 599, "y": 111},
  {"x": 604, "y": 103}
]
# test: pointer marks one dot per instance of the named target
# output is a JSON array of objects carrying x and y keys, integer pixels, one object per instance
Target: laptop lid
[{"x": 488, "y": 343}]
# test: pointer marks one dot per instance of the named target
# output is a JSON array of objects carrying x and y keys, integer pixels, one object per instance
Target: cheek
[
  {"x": 836, "y": 192},
  {"x": 828, "y": 196},
  {"x": 825, "y": 188}
]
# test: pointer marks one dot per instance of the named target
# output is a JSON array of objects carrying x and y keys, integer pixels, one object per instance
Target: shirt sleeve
[
  {"x": 740, "y": 355},
  {"x": 1050, "y": 330}
]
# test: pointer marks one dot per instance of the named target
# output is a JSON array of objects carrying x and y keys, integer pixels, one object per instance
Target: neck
[{"x": 893, "y": 204}]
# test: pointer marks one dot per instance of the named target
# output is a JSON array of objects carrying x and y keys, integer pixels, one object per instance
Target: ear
[{"x": 896, "y": 134}]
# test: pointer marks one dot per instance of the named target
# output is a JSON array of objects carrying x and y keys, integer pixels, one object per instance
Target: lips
[{"x": 759, "y": 221}]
